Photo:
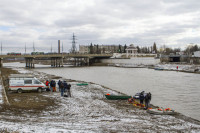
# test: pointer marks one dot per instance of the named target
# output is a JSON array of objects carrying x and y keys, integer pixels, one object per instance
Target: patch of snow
[{"x": 88, "y": 111}]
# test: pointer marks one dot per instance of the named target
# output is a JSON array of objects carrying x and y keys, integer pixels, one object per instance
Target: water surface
[{"x": 177, "y": 90}]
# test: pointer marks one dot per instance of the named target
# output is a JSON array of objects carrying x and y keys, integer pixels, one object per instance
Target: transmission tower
[
  {"x": 33, "y": 47},
  {"x": 73, "y": 49}
]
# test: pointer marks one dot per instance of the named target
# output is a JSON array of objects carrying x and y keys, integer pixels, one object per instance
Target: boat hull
[
  {"x": 82, "y": 84},
  {"x": 160, "y": 112},
  {"x": 116, "y": 97}
]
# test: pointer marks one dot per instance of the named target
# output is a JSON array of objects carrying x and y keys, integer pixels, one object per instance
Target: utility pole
[
  {"x": 25, "y": 48},
  {"x": 1, "y": 48},
  {"x": 58, "y": 46},
  {"x": 33, "y": 47},
  {"x": 51, "y": 47},
  {"x": 73, "y": 49},
  {"x": 62, "y": 47}
]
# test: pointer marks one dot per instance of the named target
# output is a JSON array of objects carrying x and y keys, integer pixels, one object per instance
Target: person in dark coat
[
  {"x": 146, "y": 99},
  {"x": 67, "y": 88},
  {"x": 51, "y": 85},
  {"x": 59, "y": 82},
  {"x": 61, "y": 88},
  {"x": 149, "y": 96},
  {"x": 141, "y": 97}
]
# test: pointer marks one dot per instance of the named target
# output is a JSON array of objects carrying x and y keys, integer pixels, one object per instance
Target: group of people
[
  {"x": 51, "y": 86},
  {"x": 62, "y": 86},
  {"x": 145, "y": 97}
]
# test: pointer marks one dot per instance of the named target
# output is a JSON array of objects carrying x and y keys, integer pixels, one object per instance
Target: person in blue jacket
[{"x": 65, "y": 86}]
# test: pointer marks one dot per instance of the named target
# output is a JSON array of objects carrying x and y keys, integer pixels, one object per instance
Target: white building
[
  {"x": 131, "y": 51},
  {"x": 83, "y": 49},
  {"x": 196, "y": 54}
]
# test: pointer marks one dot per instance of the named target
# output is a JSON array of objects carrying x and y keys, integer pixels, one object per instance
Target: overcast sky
[{"x": 174, "y": 23}]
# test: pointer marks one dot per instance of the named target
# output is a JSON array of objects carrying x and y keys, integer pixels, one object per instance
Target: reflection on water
[
  {"x": 133, "y": 60},
  {"x": 176, "y": 90}
]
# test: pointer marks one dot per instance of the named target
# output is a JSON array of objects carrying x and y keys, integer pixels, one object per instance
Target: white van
[{"x": 25, "y": 82}]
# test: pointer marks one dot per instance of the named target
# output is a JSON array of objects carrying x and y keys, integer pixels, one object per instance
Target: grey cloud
[
  {"x": 182, "y": 6},
  {"x": 91, "y": 22},
  {"x": 188, "y": 40}
]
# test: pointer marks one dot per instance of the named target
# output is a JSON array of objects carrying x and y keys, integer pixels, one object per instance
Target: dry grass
[{"x": 33, "y": 101}]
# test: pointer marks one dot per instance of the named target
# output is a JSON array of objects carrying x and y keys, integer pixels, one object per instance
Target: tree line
[{"x": 95, "y": 49}]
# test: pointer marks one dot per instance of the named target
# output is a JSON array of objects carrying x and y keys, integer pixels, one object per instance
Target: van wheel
[
  {"x": 19, "y": 91},
  {"x": 39, "y": 90}
]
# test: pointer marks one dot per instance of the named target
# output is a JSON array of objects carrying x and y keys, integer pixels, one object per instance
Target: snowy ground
[
  {"x": 170, "y": 67},
  {"x": 181, "y": 67},
  {"x": 88, "y": 111}
]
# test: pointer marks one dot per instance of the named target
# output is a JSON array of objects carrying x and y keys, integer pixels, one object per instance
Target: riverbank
[
  {"x": 165, "y": 67},
  {"x": 86, "y": 111},
  {"x": 178, "y": 67}
]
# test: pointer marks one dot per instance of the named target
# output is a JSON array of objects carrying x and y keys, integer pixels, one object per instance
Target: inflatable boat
[{"x": 159, "y": 111}]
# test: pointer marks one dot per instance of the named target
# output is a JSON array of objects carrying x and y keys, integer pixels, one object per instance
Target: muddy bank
[
  {"x": 31, "y": 102},
  {"x": 86, "y": 111}
]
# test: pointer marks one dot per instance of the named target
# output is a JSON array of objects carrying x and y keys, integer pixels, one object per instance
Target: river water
[
  {"x": 133, "y": 61},
  {"x": 177, "y": 90}
]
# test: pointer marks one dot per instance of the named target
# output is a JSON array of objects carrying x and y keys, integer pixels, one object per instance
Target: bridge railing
[{"x": 56, "y": 55}]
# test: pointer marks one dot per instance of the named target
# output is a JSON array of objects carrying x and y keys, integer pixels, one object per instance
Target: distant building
[
  {"x": 196, "y": 54},
  {"x": 174, "y": 58},
  {"x": 180, "y": 53},
  {"x": 100, "y": 49},
  {"x": 195, "y": 58},
  {"x": 84, "y": 49},
  {"x": 131, "y": 51}
]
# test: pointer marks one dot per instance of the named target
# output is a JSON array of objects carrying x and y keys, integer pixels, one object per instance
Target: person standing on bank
[
  {"x": 54, "y": 85},
  {"x": 65, "y": 86},
  {"x": 47, "y": 85},
  {"x": 147, "y": 100},
  {"x": 61, "y": 88},
  {"x": 51, "y": 85},
  {"x": 68, "y": 90},
  {"x": 141, "y": 97},
  {"x": 59, "y": 82}
]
